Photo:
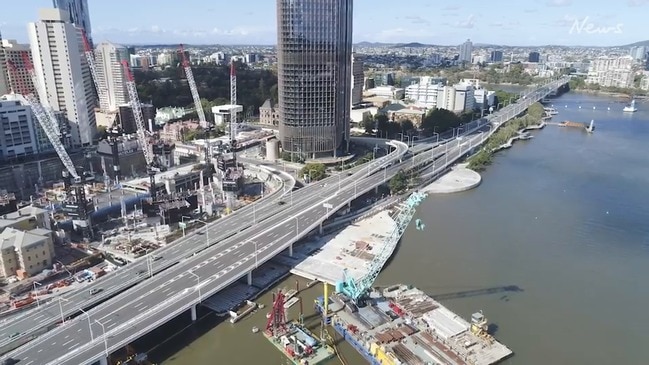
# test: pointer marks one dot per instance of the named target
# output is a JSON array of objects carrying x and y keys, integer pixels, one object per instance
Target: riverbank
[
  {"x": 613, "y": 94},
  {"x": 503, "y": 138}
]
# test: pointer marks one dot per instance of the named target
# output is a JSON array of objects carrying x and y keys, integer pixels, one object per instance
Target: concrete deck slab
[
  {"x": 459, "y": 179},
  {"x": 352, "y": 249}
]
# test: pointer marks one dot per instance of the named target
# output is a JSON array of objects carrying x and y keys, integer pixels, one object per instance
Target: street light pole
[
  {"x": 297, "y": 227},
  {"x": 256, "y": 254},
  {"x": 182, "y": 221},
  {"x": 103, "y": 329},
  {"x": 198, "y": 285},
  {"x": 92, "y": 337},
  {"x": 207, "y": 233},
  {"x": 61, "y": 309},
  {"x": 38, "y": 302}
]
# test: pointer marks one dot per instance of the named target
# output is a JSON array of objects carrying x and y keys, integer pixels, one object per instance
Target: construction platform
[
  {"x": 403, "y": 325},
  {"x": 353, "y": 249},
  {"x": 300, "y": 345}
]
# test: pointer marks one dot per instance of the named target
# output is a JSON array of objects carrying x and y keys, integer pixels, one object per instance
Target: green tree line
[
  {"x": 168, "y": 87},
  {"x": 483, "y": 158}
]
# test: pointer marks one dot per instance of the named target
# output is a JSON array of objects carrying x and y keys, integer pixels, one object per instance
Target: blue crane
[{"x": 355, "y": 289}]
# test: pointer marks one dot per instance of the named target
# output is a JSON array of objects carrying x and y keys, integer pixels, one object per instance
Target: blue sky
[{"x": 510, "y": 22}]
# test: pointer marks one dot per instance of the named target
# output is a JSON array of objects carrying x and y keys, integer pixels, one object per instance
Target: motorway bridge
[{"x": 202, "y": 264}]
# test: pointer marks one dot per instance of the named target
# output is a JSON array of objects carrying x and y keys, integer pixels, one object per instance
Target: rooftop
[
  {"x": 17, "y": 239},
  {"x": 22, "y": 214}
]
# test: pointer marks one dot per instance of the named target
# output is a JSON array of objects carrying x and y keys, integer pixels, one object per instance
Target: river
[{"x": 562, "y": 218}]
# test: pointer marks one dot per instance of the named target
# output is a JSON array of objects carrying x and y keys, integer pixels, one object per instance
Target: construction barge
[{"x": 403, "y": 325}]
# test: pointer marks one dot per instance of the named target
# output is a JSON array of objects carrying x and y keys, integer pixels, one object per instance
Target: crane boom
[
  {"x": 192, "y": 86},
  {"x": 90, "y": 57},
  {"x": 48, "y": 121},
  {"x": 147, "y": 149}
]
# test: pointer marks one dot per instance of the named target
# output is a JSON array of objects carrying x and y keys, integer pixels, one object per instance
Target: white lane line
[{"x": 68, "y": 342}]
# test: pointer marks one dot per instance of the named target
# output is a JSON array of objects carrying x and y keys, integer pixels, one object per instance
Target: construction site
[{"x": 78, "y": 199}]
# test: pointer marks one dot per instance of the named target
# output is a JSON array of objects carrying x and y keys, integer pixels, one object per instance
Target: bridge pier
[
  {"x": 290, "y": 250},
  {"x": 193, "y": 312},
  {"x": 249, "y": 277},
  {"x": 103, "y": 361},
  {"x": 321, "y": 230}
]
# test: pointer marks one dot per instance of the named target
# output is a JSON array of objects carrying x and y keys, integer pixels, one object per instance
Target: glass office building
[{"x": 314, "y": 73}]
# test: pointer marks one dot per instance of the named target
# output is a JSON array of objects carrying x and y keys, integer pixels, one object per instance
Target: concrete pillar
[
  {"x": 349, "y": 205},
  {"x": 249, "y": 277},
  {"x": 290, "y": 250},
  {"x": 321, "y": 230},
  {"x": 103, "y": 361},
  {"x": 193, "y": 310}
]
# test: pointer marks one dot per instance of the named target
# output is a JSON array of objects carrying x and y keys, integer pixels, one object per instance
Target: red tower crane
[{"x": 276, "y": 324}]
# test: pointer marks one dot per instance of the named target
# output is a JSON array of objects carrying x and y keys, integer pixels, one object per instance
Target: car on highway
[
  {"x": 156, "y": 258},
  {"x": 94, "y": 291},
  {"x": 10, "y": 361},
  {"x": 141, "y": 272}
]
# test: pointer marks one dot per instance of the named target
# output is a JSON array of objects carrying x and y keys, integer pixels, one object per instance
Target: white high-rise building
[
  {"x": 111, "y": 76},
  {"x": 77, "y": 11},
  {"x": 612, "y": 71},
  {"x": 466, "y": 50},
  {"x": 65, "y": 80}
]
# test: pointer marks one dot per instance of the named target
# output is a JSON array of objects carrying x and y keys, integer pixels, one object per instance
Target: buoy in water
[{"x": 420, "y": 226}]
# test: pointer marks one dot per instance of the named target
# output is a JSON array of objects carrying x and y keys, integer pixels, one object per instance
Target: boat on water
[
  {"x": 630, "y": 108},
  {"x": 551, "y": 111}
]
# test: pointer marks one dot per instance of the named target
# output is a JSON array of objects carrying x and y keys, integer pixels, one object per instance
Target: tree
[
  {"x": 382, "y": 123},
  {"x": 536, "y": 111},
  {"x": 407, "y": 126},
  {"x": 315, "y": 171},
  {"x": 440, "y": 120},
  {"x": 368, "y": 123},
  {"x": 399, "y": 182}
]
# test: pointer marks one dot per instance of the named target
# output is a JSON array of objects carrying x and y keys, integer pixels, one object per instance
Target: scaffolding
[{"x": 355, "y": 289}]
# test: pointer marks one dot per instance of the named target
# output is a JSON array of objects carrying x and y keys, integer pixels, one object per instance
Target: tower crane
[
  {"x": 79, "y": 206},
  {"x": 197, "y": 100},
  {"x": 90, "y": 57},
  {"x": 152, "y": 166},
  {"x": 233, "y": 101},
  {"x": 101, "y": 94},
  {"x": 49, "y": 123}
]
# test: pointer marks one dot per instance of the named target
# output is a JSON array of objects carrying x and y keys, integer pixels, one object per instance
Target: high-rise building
[
  {"x": 534, "y": 57},
  {"x": 466, "y": 50},
  {"x": 496, "y": 56},
  {"x": 111, "y": 77},
  {"x": 19, "y": 79},
  {"x": 77, "y": 11},
  {"x": 612, "y": 71},
  {"x": 66, "y": 83},
  {"x": 127, "y": 119},
  {"x": 358, "y": 79},
  {"x": 314, "y": 51}
]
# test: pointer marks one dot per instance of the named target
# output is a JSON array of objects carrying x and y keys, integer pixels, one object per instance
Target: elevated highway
[{"x": 116, "y": 322}]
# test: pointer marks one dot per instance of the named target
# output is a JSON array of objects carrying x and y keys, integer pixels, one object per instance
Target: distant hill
[
  {"x": 638, "y": 44},
  {"x": 372, "y": 44},
  {"x": 411, "y": 45}
]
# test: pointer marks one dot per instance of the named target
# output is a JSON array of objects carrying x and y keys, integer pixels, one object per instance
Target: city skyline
[{"x": 530, "y": 23}]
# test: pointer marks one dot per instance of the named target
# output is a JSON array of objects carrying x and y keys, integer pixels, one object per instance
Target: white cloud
[
  {"x": 468, "y": 23},
  {"x": 558, "y": 2}
]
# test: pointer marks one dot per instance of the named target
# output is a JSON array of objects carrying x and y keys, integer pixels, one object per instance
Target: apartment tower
[
  {"x": 65, "y": 80},
  {"x": 314, "y": 51},
  {"x": 111, "y": 76}
]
